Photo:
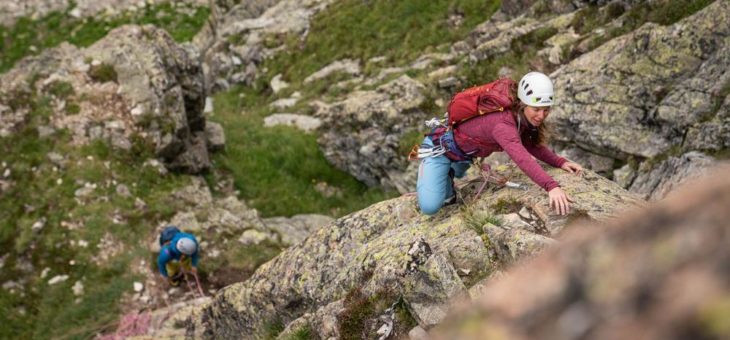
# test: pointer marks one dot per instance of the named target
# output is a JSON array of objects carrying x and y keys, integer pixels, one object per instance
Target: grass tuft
[
  {"x": 103, "y": 73},
  {"x": 476, "y": 219}
]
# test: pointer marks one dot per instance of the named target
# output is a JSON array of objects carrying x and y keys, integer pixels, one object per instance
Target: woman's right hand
[{"x": 559, "y": 200}]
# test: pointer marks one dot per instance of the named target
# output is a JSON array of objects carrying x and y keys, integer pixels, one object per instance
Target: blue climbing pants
[{"x": 434, "y": 184}]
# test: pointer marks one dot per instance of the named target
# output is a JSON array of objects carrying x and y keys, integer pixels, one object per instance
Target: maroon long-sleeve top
[{"x": 480, "y": 136}]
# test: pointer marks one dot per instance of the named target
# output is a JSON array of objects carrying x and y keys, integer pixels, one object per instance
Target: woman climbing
[{"x": 486, "y": 119}]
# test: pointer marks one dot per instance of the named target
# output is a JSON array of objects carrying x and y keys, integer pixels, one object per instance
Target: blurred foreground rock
[{"x": 659, "y": 273}]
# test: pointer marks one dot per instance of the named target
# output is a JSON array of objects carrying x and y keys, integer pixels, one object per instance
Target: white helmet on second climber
[
  {"x": 186, "y": 246},
  {"x": 535, "y": 89}
]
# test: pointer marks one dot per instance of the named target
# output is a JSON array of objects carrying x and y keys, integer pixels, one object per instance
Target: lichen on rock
[{"x": 369, "y": 250}]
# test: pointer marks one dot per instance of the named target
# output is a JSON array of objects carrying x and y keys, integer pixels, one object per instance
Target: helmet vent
[{"x": 529, "y": 92}]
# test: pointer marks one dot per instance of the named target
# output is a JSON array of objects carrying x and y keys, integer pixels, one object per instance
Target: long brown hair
[{"x": 539, "y": 136}]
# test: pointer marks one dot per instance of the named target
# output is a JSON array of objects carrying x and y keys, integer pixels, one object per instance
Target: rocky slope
[
  {"x": 659, "y": 273},
  {"x": 646, "y": 108},
  {"x": 233, "y": 44},
  {"x": 645, "y": 105},
  {"x": 391, "y": 252}
]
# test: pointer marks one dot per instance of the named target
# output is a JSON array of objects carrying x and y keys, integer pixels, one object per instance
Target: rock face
[
  {"x": 640, "y": 99},
  {"x": 669, "y": 174},
  {"x": 136, "y": 83},
  {"x": 232, "y": 45},
  {"x": 361, "y": 134},
  {"x": 296, "y": 228},
  {"x": 302, "y": 122},
  {"x": 639, "y": 94},
  {"x": 659, "y": 273},
  {"x": 163, "y": 84},
  {"x": 348, "y": 66},
  {"x": 227, "y": 215},
  {"x": 391, "y": 246}
]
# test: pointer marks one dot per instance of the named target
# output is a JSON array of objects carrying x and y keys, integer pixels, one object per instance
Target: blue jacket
[{"x": 169, "y": 252}]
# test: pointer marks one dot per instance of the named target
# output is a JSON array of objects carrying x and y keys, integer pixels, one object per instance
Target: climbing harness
[
  {"x": 420, "y": 151},
  {"x": 443, "y": 144}
]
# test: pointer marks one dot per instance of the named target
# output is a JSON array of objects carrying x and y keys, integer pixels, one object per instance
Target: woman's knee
[{"x": 430, "y": 207}]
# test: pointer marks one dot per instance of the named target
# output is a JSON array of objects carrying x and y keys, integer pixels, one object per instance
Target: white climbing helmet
[
  {"x": 536, "y": 89},
  {"x": 186, "y": 246}
]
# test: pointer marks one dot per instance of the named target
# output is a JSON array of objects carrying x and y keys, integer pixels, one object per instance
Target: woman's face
[{"x": 535, "y": 115}]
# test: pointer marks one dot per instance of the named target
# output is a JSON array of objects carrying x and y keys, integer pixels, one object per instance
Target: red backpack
[
  {"x": 472, "y": 102},
  {"x": 495, "y": 96}
]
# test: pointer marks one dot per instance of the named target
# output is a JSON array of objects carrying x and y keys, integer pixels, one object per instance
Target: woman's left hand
[{"x": 573, "y": 168}]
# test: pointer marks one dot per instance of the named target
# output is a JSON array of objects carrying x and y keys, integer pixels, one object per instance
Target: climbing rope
[{"x": 197, "y": 282}]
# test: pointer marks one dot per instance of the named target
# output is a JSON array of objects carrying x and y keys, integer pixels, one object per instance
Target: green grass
[
  {"x": 401, "y": 31},
  {"x": 276, "y": 169},
  {"x": 271, "y": 329},
  {"x": 667, "y": 12},
  {"x": 303, "y": 333},
  {"x": 476, "y": 219},
  {"x": 61, "y": 89},
  {"x": 406, "y": 142},
  {"x": 29, "y": 36}
]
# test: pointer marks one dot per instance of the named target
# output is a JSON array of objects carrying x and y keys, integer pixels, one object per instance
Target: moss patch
[
  {"x": 61, "y": 89},
  {"x": 103, "y": 73},
  {"x": 303, "y": 333},
  {"x": 507, "y": 205},
  {"x": 358, "y": 320}
]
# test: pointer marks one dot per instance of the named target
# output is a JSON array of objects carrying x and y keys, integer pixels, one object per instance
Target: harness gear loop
[{"x": 435, "y": 122}]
